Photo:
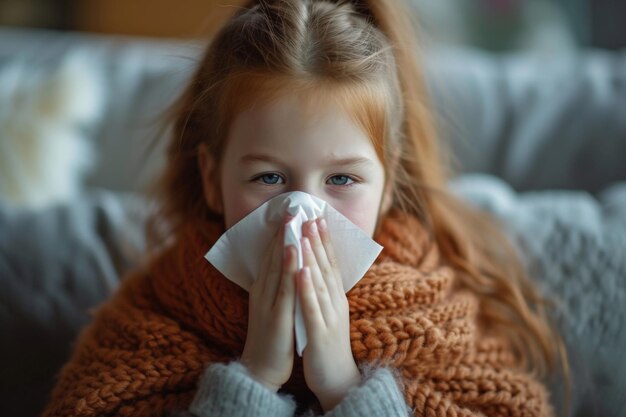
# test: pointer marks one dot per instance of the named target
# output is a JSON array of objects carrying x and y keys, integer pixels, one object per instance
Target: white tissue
[{"x": 239, "y": 252}]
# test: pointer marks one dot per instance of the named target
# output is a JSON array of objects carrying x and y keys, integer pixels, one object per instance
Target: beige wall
[{"x": 161, "y": 18}]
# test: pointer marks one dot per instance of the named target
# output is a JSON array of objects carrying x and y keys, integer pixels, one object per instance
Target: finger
[
  {"x": 327, "y": 272},
  {"x": 284, "y": 304},
  {"x": 319, "y": 285},
  {"x": 284, "y": 301},
  {"x": 259, "y": 283},
  {"x": 272, "y": 279},
  {"x": 313, "y": 320},
  {"x": 330, "y": 253}
]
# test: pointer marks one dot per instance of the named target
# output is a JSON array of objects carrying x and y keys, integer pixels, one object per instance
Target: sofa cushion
[{"x": 55, "y": 265}]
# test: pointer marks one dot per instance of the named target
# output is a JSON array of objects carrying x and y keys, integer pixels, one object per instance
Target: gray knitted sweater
[{"x": 227, "y": 390}]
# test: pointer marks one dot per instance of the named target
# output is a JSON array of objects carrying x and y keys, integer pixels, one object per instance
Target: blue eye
[
  {"x": 273, "y": 178},
  {"x": 343, "y": 180}
]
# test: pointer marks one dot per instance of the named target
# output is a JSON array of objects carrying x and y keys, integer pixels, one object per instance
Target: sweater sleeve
[
  {"x": 378, "y": 395},
  {"x": 229, "y": 391}
]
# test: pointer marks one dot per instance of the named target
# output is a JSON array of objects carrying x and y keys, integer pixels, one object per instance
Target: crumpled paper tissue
[{"x": 239, "y": 253}]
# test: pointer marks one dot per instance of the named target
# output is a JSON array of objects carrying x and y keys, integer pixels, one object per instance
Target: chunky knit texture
[{"x": 148, "y": 346}]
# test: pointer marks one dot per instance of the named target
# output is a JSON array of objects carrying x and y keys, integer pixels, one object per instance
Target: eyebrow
[{"x": 354, "y": 160}]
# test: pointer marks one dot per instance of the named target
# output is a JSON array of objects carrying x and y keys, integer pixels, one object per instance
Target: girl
[{"x": 324, "y": 97}]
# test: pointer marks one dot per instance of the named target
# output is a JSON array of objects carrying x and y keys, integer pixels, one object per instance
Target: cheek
[
  {"x": 237, "y": 206},
  {"x": 362, "y": 211},
  {"x": 237, "y": 203}
]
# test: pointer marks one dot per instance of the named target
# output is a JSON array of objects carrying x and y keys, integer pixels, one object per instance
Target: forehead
[{"x": 291, "y": 124}]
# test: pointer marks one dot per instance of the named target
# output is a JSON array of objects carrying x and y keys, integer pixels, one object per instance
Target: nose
[{"x": 305, "y": 187}]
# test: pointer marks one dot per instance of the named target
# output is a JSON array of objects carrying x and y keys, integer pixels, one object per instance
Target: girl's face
[{"x": 276, "y": 149}]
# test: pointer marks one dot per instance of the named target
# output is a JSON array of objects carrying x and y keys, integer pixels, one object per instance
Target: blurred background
[
  {"x": 490, "y": 24},
  {"x": 530, "y": 95}
]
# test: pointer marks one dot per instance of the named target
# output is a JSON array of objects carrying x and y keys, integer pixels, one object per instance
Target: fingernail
[
  {"x": 307, "y": 244},
  {"x": 313, "y": 228},
  {"x": 323, "y": 224}
]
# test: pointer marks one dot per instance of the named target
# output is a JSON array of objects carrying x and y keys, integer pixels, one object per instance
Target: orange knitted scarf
[{"x": 148, "y": 346}]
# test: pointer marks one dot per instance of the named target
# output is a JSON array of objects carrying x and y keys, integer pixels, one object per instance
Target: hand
[
  {"x": 268, "y": 352},
  {"x": 329, "y": 367}
]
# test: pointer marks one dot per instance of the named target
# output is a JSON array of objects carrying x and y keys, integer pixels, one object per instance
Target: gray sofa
[{"x": 541, "y": 143}]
